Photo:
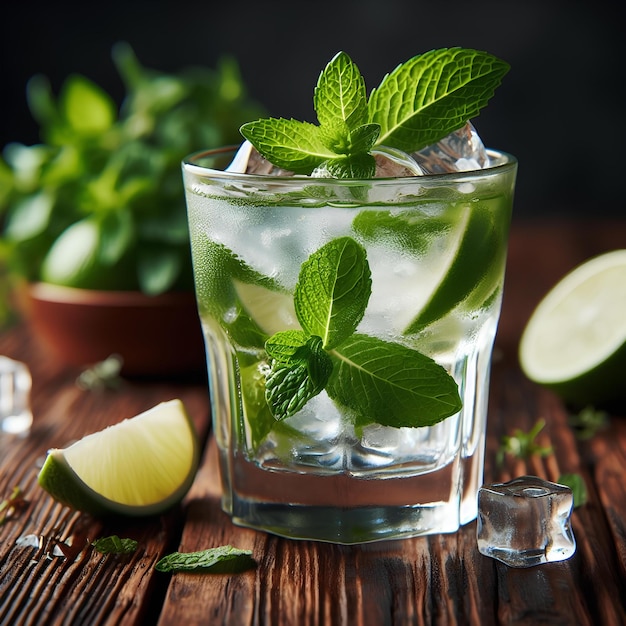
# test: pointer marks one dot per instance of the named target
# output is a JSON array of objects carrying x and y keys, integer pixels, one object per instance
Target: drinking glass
[{"x": 436, "y": 249}]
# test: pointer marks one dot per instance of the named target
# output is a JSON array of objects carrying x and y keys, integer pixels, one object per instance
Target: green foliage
[
  {"x": 419, "y": 103},
  {"x": 111, "y": 179},
  {"x": 522, "y": 444},
  {"x": 114, "y": 545},
  {"x": 381, "y": 382},
  {"x": 219, "y": 560},
  {"x": 577, "y": 484}
]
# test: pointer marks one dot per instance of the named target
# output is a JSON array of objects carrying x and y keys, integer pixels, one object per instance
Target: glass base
[{"x": 346, "y": 525}]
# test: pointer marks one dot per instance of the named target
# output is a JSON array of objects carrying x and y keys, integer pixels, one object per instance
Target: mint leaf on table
[
  {"x": 114, "y": 545},
  {"x": 390, "y": 384},
  {"x": 422, "y": 101},
  {"x": 432, "y": 95},
  {"x": 223, "y": 559}
]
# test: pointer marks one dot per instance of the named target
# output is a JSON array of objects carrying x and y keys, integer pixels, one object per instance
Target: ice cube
[
  {"x": 391, "y": 163},
  {"x": 15, "y": 383},
  {"x": 249, "y": 161},
  {"x": 460, "y": 151},
  {"x": 525, "y": 522}
]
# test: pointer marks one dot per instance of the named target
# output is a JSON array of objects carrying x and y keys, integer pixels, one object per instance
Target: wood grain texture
[{"x": 441, "y": 579}]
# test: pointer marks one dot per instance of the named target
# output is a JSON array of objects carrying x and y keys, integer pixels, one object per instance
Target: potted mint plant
[{"x": 95, "y": 213}]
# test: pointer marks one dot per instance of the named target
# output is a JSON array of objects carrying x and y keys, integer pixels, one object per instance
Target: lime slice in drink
[
  {"x": 272, "y": 311},
  {"x": 140, "y": 466},
  {"x": 474, "y": 266},
  {"x": 575, "y": 341}
]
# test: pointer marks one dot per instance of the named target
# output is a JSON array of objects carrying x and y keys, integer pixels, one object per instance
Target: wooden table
[{"x": 441, "y": 579}]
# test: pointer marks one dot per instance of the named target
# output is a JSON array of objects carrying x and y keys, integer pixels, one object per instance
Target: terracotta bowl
[{"x": 154, "y": 335}]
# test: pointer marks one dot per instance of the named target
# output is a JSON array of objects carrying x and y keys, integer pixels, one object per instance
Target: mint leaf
[
  {"x": 114, "y": 545},
  {"x": 391, "y": 384},
  {"x": 290, "y": 144},
  {"x": 340, "y": 93},
  {"x": 345, "y": 142},
  {"x": 218, "y": 560},
  {"x": 416, "y": 105},
  {"x": 333, "y": 289},
  {"x": 300, "y": 370},
  {"x": 356, "y": 167},
  {"x": 432, "y": 95}
]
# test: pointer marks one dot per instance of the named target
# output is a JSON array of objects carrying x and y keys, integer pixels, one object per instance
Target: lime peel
[{"x": 140, "y": 466}]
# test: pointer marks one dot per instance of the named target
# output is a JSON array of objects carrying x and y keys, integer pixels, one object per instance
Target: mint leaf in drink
[
  {"x": 433, "y": 94},
  {"x": 333, "y": 289},
  {"x": 416, "y": 105},
  {"x": 223, "y": 559},
  {"x": 300, "y": 370},
  {"x": 382, "y": 382},
  {"x": 391, "y": 384}
]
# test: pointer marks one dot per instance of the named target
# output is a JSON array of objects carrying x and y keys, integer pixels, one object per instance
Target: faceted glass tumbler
[{"x": 436, "y": 248}]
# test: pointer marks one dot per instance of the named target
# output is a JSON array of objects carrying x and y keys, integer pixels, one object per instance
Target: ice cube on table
[
  {"x": 525, "y": 522},
  {"x": 15, "y": 384},
  {"x": 460, "y": 151}
]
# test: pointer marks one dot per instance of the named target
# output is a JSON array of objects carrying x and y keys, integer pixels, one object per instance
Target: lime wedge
[
  {"x": 140, "y": 466},
  {"x": 270, "y": 310},
  {"x": 474, "y": 269},
  {"x": 575, "y": 340}
]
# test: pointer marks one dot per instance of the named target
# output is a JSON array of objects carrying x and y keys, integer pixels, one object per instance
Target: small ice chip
[
  {"x": 525, "y": 522},
  {"x": 15, "y": 385}
]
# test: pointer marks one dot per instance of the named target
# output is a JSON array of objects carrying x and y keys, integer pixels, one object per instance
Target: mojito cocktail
[{"x": 349, "y": 324}]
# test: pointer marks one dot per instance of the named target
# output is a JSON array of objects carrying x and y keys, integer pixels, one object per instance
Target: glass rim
[{"x": 190, "y": 163}]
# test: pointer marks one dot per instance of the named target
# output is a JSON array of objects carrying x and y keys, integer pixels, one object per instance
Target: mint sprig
[
  {"x": 379, "y": 381},
  {"x": 420, "y": 102}
]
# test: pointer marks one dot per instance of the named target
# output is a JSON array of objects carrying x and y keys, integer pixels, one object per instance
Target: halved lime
[
  {"x": 140, "y": 466},
  {"x": 474, "y": 268},
  {"x": 575, "y": 340}
]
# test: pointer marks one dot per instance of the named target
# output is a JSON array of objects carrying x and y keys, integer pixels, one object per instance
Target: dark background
[{"x": 561, "y": 109}]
